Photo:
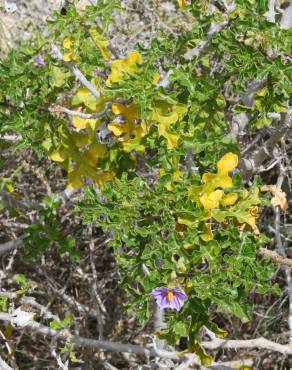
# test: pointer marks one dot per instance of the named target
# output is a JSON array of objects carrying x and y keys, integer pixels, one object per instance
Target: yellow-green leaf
[
  {"x": 94, "y": 153},
  {"x": 101, "y": 42},
  {"x": 210, "y": 201},
  {"x": 227, "y": 163},
  {"x": 194, "y": 192},
  {"x": 75, "y": 180},
  {"x": 188, "y": 220},
  {"x": 208, "y": 234},
  {"x": 59, "y": 76},
  {"x": 229, "y": 199},
  {"x": 82, "y": 123},
  {"x": 166, "y": 115},
  {"x": 129, "y": 129},
  {"x": 67, "y": 43},
  {"x": 182, "y": 3},
  {"x": 120, "y": 67},
  {"x": 58, "y": 155}
]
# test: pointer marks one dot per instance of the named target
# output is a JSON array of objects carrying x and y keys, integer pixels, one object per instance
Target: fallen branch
[
  {"x": 92, "y": 343},
  {"x": 260, "y": 343},
  {"x": 11, "y": 201},
  {"x": 12, "y": 244},
  {"x": 215, "y": 343}
]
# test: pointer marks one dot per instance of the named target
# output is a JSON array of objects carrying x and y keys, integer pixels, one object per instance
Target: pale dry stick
[
  {"x": 93, "y": 343},
  {"x": 10, "y": 201},
  {"x": 109, "y": 366},
  {"x": 4, "y": 365},
  {"x": 74, "y": 113},
  {"x": 213, "y": 31},
  {"x": 56, "y": 53},
  {"x": 8, "y": 137},
  {"x": 158, "y": 318},
  {"x": 159, "y": 324},
  {"x": 71, "y": 302},
  {"x": 59, "y": 360},
  {"x": 269, "y": 166},
  {"x": 80, "y": 76},
  {"x": 271, "y": 13},
  {"x": 12, "y": 244},
  {"x": 248, "y": 166},
  {"x": 7, "y": 345},
  {"x": 276, "y": 257},
  {"x": 94, "y": 285},
  {"x": 260, "y": 343},
  {"x": 286, "y": 20},
  {"x": 241, "y": 120},
  {"x": 44, "y": 311}
]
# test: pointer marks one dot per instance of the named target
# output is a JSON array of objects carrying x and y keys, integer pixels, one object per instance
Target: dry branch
[
  {"x": 59, "y": 109},
  {"x": 260, "y": 343},
  {"x": 213, "y": 31},
  {"x": 92, "y": 343},
  {"x": 215, "y": 343},
  {"x": 8, "y": 246},
  {"x": 275, "y": 257},
  {"x": 75, "y": 71},
  {"x": 4, "y": 366},
  {"x": 249, "y": 166}
]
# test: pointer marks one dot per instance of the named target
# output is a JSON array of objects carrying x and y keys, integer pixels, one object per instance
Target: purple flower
[
  {"x": 39, "y": 60},
  {"x": 169, "y": 297}
]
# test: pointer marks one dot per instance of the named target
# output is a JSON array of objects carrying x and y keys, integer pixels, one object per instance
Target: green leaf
[{"x": 58, "y": 325}]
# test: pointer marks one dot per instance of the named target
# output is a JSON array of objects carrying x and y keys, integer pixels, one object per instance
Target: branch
[
  {"x": 12, "y": 244},
  {"x": 79, "y": 75},
  {"x": 277, "y": 258},
  {"x": 92, "y": 343},
  {"x": 213, "y": 31},
  {"x": 249, "y": 166},
  {"x": 59, "y": 109},
  {"x": 56, "y": 53},
  {"x": 11, "y": 201},
  {"x": 240, "y": 120},
  {"x": 4, "y": 366},
  {"x": 260, "y": 343},
  {"x": 215, "y": 343}
]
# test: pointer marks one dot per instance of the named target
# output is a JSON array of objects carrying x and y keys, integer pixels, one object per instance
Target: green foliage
[
  {"x": 46, "y": 232},
  {"x": 176, "y": 216},
  {"x": 68, "y": 348},
  {"x": 25, "y": 284},
  {"x": 4, "y": 301},
  {"x": 58, "y": 325},
  {"x": 151, "y": 230}
]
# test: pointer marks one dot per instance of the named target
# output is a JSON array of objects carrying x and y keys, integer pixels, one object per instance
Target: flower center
[{"x": 170, "y": 295}]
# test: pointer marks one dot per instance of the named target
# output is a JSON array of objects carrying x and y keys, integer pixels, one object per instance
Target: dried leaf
[{"x": 279, "y": 196}]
